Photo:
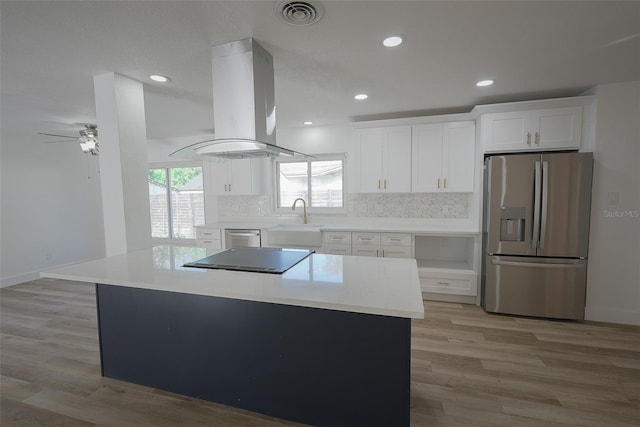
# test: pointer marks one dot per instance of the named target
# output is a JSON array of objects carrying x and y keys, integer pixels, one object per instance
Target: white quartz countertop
[
  {"x": 430, "y": 229},
  {"x": 383, "y": 286}
]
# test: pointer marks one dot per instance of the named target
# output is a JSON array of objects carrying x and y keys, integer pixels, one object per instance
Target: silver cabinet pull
[
  {"x": 537, "y": 138},
  {"x": 385, "y": 184},
  {"x": 438, "y": 182},
  {"x": 528, "y": 138},
  {"x": 378, "y": 184},
  {"x": 443, "y": 283},
  {"x": 445, "y": 183}
]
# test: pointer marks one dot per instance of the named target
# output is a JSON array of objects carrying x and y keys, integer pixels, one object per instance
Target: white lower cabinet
[
  {"x": 336, "y": 242},
  {"x": 447, "y": 264},
  {"x": 388, "y": 245},
  {"x": 448, "y": 283},
  {"x": 209, "y": 238}
]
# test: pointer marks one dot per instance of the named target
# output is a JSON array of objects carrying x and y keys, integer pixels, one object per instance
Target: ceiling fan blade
[{"x": 59, "y": 136}]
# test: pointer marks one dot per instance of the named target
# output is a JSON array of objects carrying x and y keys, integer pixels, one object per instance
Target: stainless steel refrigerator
[{"x": 536, "y": 234}]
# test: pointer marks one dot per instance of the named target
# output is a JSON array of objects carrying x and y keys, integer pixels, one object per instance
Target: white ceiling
[{"x": 532, "y": 49}]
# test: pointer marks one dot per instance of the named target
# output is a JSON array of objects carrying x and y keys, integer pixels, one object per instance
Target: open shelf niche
[{"x": 438, "y": 253}]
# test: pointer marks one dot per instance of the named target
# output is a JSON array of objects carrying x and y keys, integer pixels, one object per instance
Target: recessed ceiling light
[
  {"x": 159, "y": 78},
  {"x": 483, "y": 83},
  {"x": 361, "y": 96},
  {"x": 307, "y": 122},
  {"x": 392, "y": 41}
]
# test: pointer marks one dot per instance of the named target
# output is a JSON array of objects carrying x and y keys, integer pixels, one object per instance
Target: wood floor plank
[{"x": 469, "y": 368}]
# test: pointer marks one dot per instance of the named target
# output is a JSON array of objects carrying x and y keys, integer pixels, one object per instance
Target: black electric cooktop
[{"x": 259, "y": 260}]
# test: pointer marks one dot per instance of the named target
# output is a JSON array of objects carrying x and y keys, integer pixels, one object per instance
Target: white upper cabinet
[
  {"x": 382, "y": 160},
  {"x": 548, "y": 129},
  {"x": 237, "y": 177},
  {"x": 443, "y": 157}
]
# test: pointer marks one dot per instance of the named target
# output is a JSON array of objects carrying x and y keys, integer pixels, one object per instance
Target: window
[
  {"x": 319, "y": 182},
  {"x": 176, "y": 197}
]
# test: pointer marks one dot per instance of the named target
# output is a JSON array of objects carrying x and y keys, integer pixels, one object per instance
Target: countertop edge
[{"x": 410, "y": 314}]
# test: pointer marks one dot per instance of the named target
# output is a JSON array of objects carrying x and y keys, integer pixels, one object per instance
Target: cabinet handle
[
  {"x": 528, "y": 138},
  {"x": 537, "y": 138},
  {"x": 229, "y": 187},
  {"x": 385, "y": 184},
  {"x": 443, "y": 283},
  {"x": 382, "y": 253},
  {"x": 438, "y": 182},
  {"x": 378, "y": 184},
  {"x": 445, "y": 183},
  {"x": 395, "y": 239}
]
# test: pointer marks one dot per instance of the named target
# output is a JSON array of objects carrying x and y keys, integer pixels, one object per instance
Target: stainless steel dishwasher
[{"x": 241, "y": 238}]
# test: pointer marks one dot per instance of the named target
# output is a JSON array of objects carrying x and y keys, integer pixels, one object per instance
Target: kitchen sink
[{"x": 295, "y": 235}]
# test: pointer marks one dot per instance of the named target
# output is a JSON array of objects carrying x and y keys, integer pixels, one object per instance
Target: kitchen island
[{"x": 325, "y": 343}]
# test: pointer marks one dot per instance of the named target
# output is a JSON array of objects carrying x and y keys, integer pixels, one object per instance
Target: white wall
[
  {"x": 613, "y": 287},
  {"x": 51, "y": 210},
  {"x": 316, "y": 139}
]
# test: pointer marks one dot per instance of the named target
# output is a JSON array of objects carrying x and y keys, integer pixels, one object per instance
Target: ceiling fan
[{"x": 88, "y": 139}]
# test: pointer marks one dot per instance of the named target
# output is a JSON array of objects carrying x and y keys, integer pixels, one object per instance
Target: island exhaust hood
[{"x": 244, "y": 110}]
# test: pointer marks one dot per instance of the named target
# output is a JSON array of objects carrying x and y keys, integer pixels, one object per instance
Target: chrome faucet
[{"x": 304, "y": 207}]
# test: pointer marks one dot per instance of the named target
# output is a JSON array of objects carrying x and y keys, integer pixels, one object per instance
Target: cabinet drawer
[
  {"x": 340, "y": 237},
  {"x": 395, "y": 239},
  {"x": 396, "y": 251},
  {"x": 208, "y": 233},
  {"x": 366, "y": 239},
  {"x": 449, "y": 284},
  {"x": 366, "y": 250},
  {"x": 337, "y": 249}
]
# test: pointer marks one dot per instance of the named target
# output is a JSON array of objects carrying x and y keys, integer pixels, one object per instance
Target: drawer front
[
  {"x": 366, "y": 239},
  {"x": 395, "y": 239},
  {"x": 208, "y": 233},
  {"x": 366, "y": 250},
  {"x": 337, "y": 249},
  {"x": 445, "y": 284},
  {"x": 396, "y": 252},
  {"x": 340, "y": 237}
]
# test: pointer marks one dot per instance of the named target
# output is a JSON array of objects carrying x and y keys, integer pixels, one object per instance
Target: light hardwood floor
[{"x": 468, "y": 369}]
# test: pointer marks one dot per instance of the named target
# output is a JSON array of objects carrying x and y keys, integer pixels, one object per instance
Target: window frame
[
  {"x": 342, "y": 157},
  {"x": 175, "y": 165}
]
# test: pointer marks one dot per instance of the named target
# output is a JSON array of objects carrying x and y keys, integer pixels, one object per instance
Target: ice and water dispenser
[{"x": 512, "y": 224}]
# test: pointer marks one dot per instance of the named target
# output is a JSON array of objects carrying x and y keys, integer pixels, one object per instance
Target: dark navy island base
[{"x": 315, "y": 366}]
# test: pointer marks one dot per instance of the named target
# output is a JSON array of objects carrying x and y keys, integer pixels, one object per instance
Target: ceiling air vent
[{"x": 299, "y": 13}]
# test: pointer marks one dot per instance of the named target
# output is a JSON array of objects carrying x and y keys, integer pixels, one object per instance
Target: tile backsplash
[
  {"x": 409, "y": 205},
  {"x": 398, "y": 205}
]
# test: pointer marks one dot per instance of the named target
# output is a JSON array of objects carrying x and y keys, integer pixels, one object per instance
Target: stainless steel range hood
[{"x": 244, "y": 110}]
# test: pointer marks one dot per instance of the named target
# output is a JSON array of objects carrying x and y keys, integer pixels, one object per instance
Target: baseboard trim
[
  {"x": 462, "y": 299},
  {"x": 5, "y": 282},
  {"x": 612, "y": 315},
  {"x": 34, "y": 275}
]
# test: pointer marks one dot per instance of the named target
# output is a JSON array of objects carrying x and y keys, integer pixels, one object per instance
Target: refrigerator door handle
[
  {"x": 543, "y": 209},
  {"x": 536, "y": 206},
  {"x": 536, "y": 264}
]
